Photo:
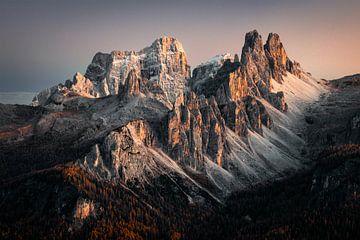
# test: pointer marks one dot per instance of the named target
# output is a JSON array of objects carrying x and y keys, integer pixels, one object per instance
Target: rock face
[
  {"x": 278, "y": 60},
  {"x": 122, "y": 153},
  {"x": 132, "y": 86},
  {"x": 251, "y": 76},
  {"x": 257, "y": 114},
  {"x": 162, "y": 65},
  {"x": 195, "y": 130},
  {"x": 234, "y": 114},
  {"x": 277, "y": 57},
  {"x": 225, "y": 93},
  {"x": 255, "y": 64},
  {"x": 208, "y": 70}
]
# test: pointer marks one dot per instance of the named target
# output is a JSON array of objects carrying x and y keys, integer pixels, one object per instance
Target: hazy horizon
[{"x": 43, "y": 43}]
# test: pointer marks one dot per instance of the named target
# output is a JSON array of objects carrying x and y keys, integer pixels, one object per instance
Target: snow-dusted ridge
[{"x": 150, "y": 87}]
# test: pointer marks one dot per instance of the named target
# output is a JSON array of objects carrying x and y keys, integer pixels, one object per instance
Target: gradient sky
[{"x": 43, "y": 43}]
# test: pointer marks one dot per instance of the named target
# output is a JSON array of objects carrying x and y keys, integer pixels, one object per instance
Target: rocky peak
[
  {"x": 279, "y": 62},
  {"x": 162, "y": 66},
  {"x": 255, "y": 63},
  {"x": 165, "y": 64},
  {"x": 82, "y": 86},
  {"x": 122, "y": 152},
  {"x": 253, "y": 42},
  {"x": 277, "y": 57},
  {"x": 165, "y": 44},
  {"x": 232, "y": 80}
]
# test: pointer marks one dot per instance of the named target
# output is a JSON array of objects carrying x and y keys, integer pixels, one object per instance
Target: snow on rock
[
  {"x": 208, "y": 69},
  {"x": 163, "y": 66},
  {"x": 240, "y": 123}
]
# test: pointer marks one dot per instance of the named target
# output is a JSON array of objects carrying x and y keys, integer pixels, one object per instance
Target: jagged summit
[
  {"x": 253, "y": 42},
  {"x": 252, "y": 75},
  {"x": 169, "y": 43},
  {"x": 163, "y": 71},
  {"x": 203, "y": 122},
  {"x": 137, "y": 127},
  {"x": 162, "y": 65}
]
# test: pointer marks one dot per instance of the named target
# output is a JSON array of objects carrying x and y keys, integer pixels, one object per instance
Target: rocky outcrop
[
  {"x": 229, "y": 84},
  {"x": 278, "y": 101},
  {"x": 232, "y": 80},
  {"x": 122, "y": 154},
  {"x": 131, "y": 87},
  {"x": 257, "y": 114},
  {"x": 255, "y": 64},
  {"x": 162, "y": 65},
  {"x": 208, "y": 70},
  {"x": 235, "y": 116},
  {"x": 279, "y": 62},
  {"x": 194, "y": 131},
  {"x": 195, "y": 128},
  {"x": 82, "y": 86},
  {"x": 275, "y": 52}
]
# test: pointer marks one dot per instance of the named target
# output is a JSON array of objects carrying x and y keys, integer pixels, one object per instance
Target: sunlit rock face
[
  {"x": 231, "y": 79},
  {"x": 82, "y": 86},
  {"x": 276, "y": 54},
  {"x": 162, "y": 66},
  {"x": 255, "y": 64},
  {"x": 195, "y": 130},
  {"x": 279, "y": 62},
  {"x": 196, "y": 127},
  {"x": 228, "y": 84},
  {"x": 163, "y": 63},
  {"x": 225, "y": 93}
]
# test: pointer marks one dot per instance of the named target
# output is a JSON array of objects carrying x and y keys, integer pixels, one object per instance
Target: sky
[{"x": 43, "y": 43}]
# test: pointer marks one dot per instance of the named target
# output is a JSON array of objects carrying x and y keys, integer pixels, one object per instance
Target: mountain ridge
[{"x": 139, "y": 127}]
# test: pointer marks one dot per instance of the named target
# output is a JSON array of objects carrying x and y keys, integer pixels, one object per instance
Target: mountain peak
[
  {"x": 169, "y": 43},
  {"x": 277, "y": 56},
  {"x": 253, "y": 40}
]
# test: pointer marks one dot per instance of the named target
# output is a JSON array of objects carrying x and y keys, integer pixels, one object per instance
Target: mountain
[
  {"x": 138, "y": 147},
  {"x": 352, "y": 80}
]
